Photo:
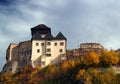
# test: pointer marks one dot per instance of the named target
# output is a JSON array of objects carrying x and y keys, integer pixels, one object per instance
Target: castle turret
[{"x": 40, "y": 31}]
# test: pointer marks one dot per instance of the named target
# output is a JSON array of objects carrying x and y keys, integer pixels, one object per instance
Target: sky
[{"x": 80, "y": 21}]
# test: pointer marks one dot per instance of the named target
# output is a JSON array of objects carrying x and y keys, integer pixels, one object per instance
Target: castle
[
  {"x": 43, "y": 49},
  {"x": 84, "y": 49}
]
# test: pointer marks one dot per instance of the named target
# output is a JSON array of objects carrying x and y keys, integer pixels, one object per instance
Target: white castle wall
[{"x": 54, "y": 51}]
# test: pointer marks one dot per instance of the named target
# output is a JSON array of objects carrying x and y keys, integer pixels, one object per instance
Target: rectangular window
[
  {"x": 48, "y": 43},
  {"x": 48, "y": 50},
  {"x": 27, "y": 52},
  {"x": 61, "y": 50},
  {"x": 48, "y": 54},
  {"x": 37, "y": 44},
  {"x": 38, "y": 50},
  {"x": 30, "y": 51},
  {"x": 61, "y": 43},
  {"x": 55, "y": 44},
  {"x": 42, "y": 44}
]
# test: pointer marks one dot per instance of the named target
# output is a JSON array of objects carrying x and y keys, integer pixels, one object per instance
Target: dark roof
[
  {"x": 49, "y": 37},
  {"x": 60, "y": 36},
  {"x": 40, "y": 26},
  {"x": 36, "y": 36},
  {"x": 43, "y": 29}
]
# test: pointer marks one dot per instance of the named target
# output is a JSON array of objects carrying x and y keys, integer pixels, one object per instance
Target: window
[
  {"x": 10, "y": 69},
  {"x": 55, "y": 44},
  {"x": 42, "y": 63},
  {"x": 38, "y": 50},
  {"x": 42, "y": 44},
  {"x": 27, "y": 52},
  {"x": 61, "y": 43},
  {"x": 24, "y": 53},
  {"x": 51, "y": 61},
  {"x": 19, "y": 69},
  {"x": 48, "y": 54},
  {"x": 48, "y": 43},
  {"x": 60, "y": 50},
  {"x": 30, "y": 51},
  {"x": 37, "y": 44},
  {"x": 48, "y": 50}
]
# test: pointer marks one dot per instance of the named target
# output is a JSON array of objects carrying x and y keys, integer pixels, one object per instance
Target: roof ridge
[
  {"x": 60, "y": 36},
  {"x": 49, "y": 36}
]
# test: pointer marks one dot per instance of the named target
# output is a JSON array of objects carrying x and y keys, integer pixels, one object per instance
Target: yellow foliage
[
  {"x": 102, "y": 77},
  {"x": 95, "y": 72},
  {"x": 52, "y": 69},
  {"x": 91, "y": 58},
  {"x": 88, "y": 80},
  {"x": 72, "y": 63},
  {"x": 6, "y": 77},
  {"x": 110, "y": 57},
  {"x": 80, "y": 74},
  {"x": 65, "y": 66}
]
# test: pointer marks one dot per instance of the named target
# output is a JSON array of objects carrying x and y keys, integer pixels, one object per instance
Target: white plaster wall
[
  {"x": 55, "y": 54},
  {"x": 36, "y": 55},
  {"x": 47, "y": 61},
  {"x": 56, "y": 58}
]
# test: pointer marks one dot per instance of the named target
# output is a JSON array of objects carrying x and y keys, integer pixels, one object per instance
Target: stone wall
[{"x": 17, "y": 56}]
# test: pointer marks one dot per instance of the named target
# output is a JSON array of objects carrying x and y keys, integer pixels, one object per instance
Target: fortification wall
[{"x": 10, "y": 67}]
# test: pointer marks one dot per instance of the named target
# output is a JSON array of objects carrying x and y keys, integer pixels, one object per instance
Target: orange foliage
[
  {"x": 92, "y": 58},
  {"x": 110, "y": 57},
  {"x": 88, "y": 80},
  {"x": 80, "y": 74},
  {"x": 95, "y": 72},
  {"x": 65, "y": 66}
]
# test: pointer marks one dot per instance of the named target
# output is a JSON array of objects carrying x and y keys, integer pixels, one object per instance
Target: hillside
[{"x": 94, "y": 69}]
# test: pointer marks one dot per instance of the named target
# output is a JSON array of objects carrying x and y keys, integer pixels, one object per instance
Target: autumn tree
[
  {"x": 109, "y": 58},
  {"x": 92, "y": 58}
]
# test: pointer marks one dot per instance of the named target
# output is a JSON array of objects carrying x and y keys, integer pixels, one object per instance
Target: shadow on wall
[{"x": 56, "y": 60}]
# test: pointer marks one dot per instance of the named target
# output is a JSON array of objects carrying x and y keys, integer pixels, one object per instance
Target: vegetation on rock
[{"x": 77, "y": 71}]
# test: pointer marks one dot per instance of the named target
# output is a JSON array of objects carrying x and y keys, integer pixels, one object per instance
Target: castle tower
[
  {"x": 46, "y": 49},
  {"x": 41, "y": 29}
]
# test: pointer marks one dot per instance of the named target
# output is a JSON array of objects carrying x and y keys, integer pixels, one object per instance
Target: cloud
[{"x": 79, "y": 20}]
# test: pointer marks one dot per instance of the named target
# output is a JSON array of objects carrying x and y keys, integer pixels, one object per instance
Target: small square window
[
  {"x": 55, "y": 44},
  {"x": 38, "y": 50},
  {"x": 48, "y": 43},
  {"x": 48, "y": 50},
  {"x": 43, "y": 63},
  {"x": 61, "y": 50},
  {"x": 37, "y": 44},
  {"x": 42, "y": 44},
  {"x": 61, "y": 43}
]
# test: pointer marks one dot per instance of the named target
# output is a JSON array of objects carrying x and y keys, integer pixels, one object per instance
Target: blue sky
[{"x": 79, "y": 20}]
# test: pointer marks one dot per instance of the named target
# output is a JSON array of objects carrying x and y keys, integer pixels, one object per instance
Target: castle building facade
[{"x": 43, "y": 49}]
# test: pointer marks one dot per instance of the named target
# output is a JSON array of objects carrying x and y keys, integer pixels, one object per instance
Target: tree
[
  {"x": 109, "y": 58},
  {"x": 92, "y": 58}
]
